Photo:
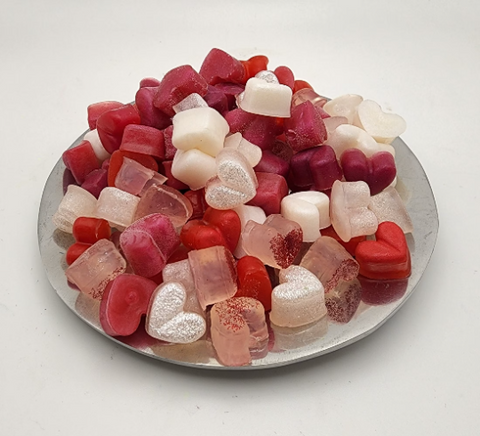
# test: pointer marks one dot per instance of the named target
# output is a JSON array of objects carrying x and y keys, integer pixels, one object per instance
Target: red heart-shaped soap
[
  {"x": 218, "y": 227},
  {"x": 124, "y": 301},
  {"x": 377, "y": 171},
  {"x": 388, "y": 257}
]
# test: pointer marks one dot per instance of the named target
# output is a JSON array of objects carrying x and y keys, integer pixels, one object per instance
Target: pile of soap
[{"x": 233, "y": 199}]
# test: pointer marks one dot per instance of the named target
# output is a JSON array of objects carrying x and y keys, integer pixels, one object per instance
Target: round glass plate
[{"x": 287, "y": 346}]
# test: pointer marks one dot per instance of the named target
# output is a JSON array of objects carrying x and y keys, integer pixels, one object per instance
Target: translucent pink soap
[
  {"x": 182, "y": 273},
  {"x": 343, "y": 301},
  {"x": 247, "y": 213},
  {"x": 349, "y": 210},
  {"x": 167, "y": 201},
  {"x": 95, "y": 268},
  {"x": 132, "y": 176},
  {"x": 330, "y": 262},
  {"x": 389, "y": 206},
  {"x": 299, "y": 298},
  {"x": 148, "y": 243},
  {"x": 117, "y": 207},
  {"x": 214, "y": 274},
  {"x": 75, "y": 203},
  {"x": 276, "y": 242},
  {"x": 237, "y": 327}
]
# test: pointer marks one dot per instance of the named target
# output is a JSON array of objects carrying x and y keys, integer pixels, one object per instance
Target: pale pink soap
[
  {"x": 168, "y": 319},
  {"x": 182, "y": 273},
  {"x": 148, "y": 243},
  {"x": 75, "y": 203},
  {"x": 117, "y": 207},
  {"x": 247, "y": 213},
  {"x": 194, "y": 168},
  {"x": 389, "y": 206},
  {"x": 343, "y": 301},
  {"x": 276, "y": 242},
  {"x": 307, "y": 94},
  {"x": 133, "y": 176},
  {"x": 330, "y": 262},
  {"x": 265, "y": 98},
  {"x": 252, "y": 152},
  {"x": 299, "y": 298},
  {"x": 214, "y": 274},
  {"x": 310, "y": 209},
  {"x": 202, "y": 128},
  {"x": 238, "y": 327},
  {"x": 156, "y": 180},
  {"x": 167, "y": 201},
  {"x": 343, "y": 106},
  {"x": 191, "y": 101},
  {"x": 349, "y": 210},
  {"x": 95, "y": 268}
]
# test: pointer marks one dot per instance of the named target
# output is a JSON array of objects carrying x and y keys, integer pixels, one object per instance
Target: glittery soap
[
  {"x": 95, "y": 268},
  {"x": 166, "y": 318},
  {"x": 238, "y": 326},
  {"x": 330, "y": 262},
  {"x": 276, "y": 242},
  {"x": 298, "y": 299}
]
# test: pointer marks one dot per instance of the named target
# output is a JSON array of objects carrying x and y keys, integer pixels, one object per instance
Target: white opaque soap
[
  {"x": 264, "y": 98},
  {"x": 202, "y": 128}
]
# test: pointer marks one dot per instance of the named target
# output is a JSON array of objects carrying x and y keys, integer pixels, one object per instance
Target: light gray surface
[{"x": 418, "y": 374}]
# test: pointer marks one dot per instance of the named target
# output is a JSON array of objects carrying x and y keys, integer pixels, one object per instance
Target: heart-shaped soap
[
  {"x": 124, "y": 301},
  {"x": 298, "y": 299},
  {"x": 218, "y": 227},
  {"x": 382, "y": 126},
  {"x": 238, "y": 327},
  {"x": 388, "y": 257},
  {"x": 166, "y": 319},
  {"x": 235, "y": 184},
  {"x": 378, "y": 171},
  {"x": 276, "y": 242}
]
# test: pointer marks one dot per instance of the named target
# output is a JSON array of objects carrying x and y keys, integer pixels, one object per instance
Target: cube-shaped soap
[
  {"x": 117, "y": 207},
  {"x": 75, "y": 203},
  {"x": 193, "y": 167},
  {"x": 214, "y": 274},
  {"x": 148, "y": 243},
  {"x": 202, "y": 128},
  {"x": 95, "y": 268}
]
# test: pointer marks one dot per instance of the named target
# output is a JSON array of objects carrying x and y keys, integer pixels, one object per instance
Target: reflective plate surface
[{"x": 287, "y": 346}]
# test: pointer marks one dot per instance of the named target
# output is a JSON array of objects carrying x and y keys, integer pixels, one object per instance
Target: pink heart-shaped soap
[{"x": 378, "y": 171}]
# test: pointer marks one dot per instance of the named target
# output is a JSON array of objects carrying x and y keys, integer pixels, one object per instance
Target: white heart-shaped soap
[
  {"x": 166, "y": 319},
  {"x": 234, "y": 170},
  {"x": 310, "y": 209},
  {"x": 299, "y": 298},
  {"x": 382, "y": 126}
]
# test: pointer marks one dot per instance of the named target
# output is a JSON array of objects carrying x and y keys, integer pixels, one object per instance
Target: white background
[{"x": 417, "y": 375}]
